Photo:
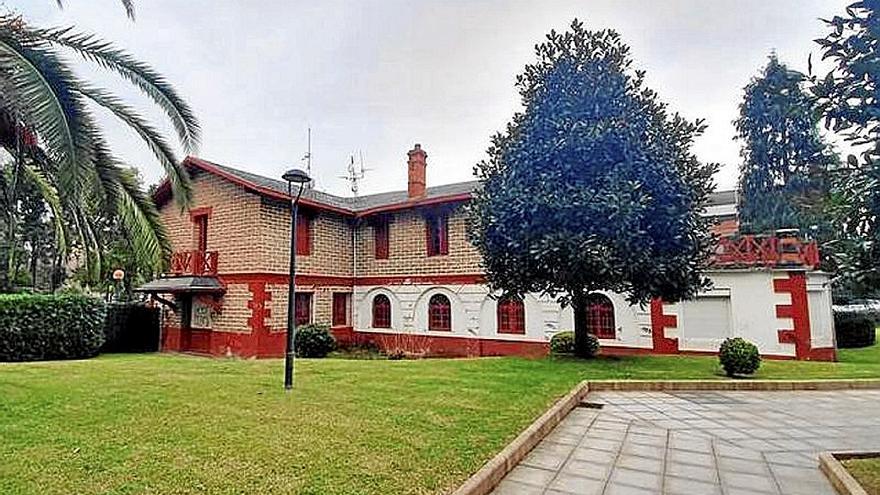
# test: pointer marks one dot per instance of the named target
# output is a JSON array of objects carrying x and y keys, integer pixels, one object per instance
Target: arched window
[
  {"x": 600, "y": 316},
  {"x": 439, "y": 313},
  {"x": 381, "y": 311},
  {"x": 511, "y": 315}
]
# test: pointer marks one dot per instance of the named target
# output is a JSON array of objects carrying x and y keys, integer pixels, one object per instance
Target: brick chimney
[{"x": 417, "y": 164}]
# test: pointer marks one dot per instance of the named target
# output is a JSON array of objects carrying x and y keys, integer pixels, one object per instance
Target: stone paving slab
[{"x": 703, "y": 442}]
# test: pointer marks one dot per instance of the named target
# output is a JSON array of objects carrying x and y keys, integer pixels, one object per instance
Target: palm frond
[
  {"x": 177, "y": 174},
  {"x": 50, "y": 196},
  {"x": 127, "y": 4},
  {"x": 147, "y": 79},
  {"x": 135, "y": 209}
]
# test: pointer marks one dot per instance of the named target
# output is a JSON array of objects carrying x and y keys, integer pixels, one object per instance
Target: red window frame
[
  {"x": 381, "y": 311},
  {"x": 302, "y": 309},
  {"x": 340, "y": 309},
  {"x": 380, "y": 239},
  {"x": 439, "y": 313},
  {"x": 303, "y": 235},
  {"x": 511, "y": 315},
  {"x": 437, "y": 234},
  {"x": 600, "y": 316}
]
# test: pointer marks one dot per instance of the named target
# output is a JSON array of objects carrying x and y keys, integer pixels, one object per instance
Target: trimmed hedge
[
  {"x": 36, "y": 327},
  {"x": 854, "y": 329},
  {"x": 131, "y": 327}
]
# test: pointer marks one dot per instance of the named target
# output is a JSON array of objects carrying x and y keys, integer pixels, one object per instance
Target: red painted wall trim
[
  {"x": 823, "y": 354},
  {"x": 204, "y": 210},
  {"x": 163, "y": 193},
  {"x": 452, "y": 198},
  {"x": 799, "y": 313},
  {"x": 659, "y": 323},
  {"x": 324, "y": 280}
]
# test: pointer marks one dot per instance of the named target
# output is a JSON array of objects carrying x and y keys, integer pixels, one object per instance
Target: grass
[
  {"x": 179, "y": 424},
  {"x": 866, "y": 472}
]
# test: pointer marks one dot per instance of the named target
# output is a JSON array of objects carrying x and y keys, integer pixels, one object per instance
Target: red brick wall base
[{"x": 272, "y": 345}]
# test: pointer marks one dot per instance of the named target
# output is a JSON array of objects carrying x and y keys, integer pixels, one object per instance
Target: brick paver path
[{"x": 698, "y": 443}]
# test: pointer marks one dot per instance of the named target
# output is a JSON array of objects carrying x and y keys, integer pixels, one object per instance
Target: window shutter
[
  {"x": 443, "y": 226},
  {"x": 303, "y": 235}
]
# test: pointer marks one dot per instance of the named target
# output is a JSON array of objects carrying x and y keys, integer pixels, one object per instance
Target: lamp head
[{"x": 296, "y": 176}]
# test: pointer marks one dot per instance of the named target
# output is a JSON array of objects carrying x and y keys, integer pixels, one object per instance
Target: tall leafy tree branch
[{"x": 593, "y": 185}]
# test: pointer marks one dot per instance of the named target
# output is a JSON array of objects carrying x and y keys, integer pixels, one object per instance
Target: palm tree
[{"x": 48, "y": 128}]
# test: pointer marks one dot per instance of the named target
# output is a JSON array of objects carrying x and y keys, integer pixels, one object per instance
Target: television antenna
[
  {"x": 307, "y": 159},
  {"x": 356, "y": 173}
]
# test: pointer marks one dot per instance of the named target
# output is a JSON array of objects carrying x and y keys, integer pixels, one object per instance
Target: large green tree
[
  {"x": 593, "y": 185},
  {"x": 849, "y": 99},
  {"x": 47, "y": 126},
  {"x": 784, "y": 175}
]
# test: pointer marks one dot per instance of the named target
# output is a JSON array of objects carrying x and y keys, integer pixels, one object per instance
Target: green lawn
[
  {"x": 180, "y": 424},
  {"x": 867, "y": 472}
]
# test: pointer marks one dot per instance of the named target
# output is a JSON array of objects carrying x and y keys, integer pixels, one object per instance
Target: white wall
[{"x": 741, "y": 303}]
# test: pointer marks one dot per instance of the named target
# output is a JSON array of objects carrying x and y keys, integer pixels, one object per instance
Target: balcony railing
[
  {"x": 194, "y": 263},
  {"x": 765, "y": 251}
]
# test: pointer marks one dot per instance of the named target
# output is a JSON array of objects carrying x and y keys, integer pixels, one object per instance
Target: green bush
[
  {"x": 562, "y": 343},
  {"x": 41, "y": 327},
  {"x": 739, "y": 357},
  {"x": 314, "y": 341},
  {"x": 854, "y": 329}
]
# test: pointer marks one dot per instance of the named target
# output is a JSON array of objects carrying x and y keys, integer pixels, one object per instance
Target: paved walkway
[{"x": 698, "y": 443}]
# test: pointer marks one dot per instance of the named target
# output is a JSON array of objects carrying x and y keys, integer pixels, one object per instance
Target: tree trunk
[{"x": 579, "y": 304}]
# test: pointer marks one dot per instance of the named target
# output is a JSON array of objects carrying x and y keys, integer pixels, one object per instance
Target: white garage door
[{"x": 705, "y": 323}]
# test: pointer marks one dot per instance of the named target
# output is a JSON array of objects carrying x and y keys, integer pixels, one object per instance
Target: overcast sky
[{"x": 377, "y": 76}]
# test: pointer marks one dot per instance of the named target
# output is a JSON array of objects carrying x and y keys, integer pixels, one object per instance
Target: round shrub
[
  {"x": 739, "y": 357},
  {"x": 854, "y": 329},
  {"x": 36, "y": 327},
  {"x": 562, "y": 343},
  {"x": 314, "y": 341}
]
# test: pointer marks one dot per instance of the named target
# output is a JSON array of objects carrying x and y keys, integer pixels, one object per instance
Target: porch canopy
[{"x": 183, "y": 285}]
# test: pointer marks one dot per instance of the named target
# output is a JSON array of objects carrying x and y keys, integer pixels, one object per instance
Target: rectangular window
[
  {"x": 303, "y": 235},
  {"x": 380, "y": 238},
  {"x": 437, "y": 234},
  {"x": 340, "y": 309},
  {"x": 201, "y": 222},
  {"x": 303, "y": 308}
]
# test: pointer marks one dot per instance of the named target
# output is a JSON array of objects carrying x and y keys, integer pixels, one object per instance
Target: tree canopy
[
  {"x": 784, "y": 175},
  {"x": 593, "y": 185},
  {"x": 848, "y": 100}
]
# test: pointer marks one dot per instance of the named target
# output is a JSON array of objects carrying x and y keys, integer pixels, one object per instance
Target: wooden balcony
[
  {"x": 194, "y": 263},
  {"x": 765, "y": 251}
]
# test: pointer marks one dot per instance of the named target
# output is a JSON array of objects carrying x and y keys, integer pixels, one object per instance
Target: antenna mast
[
  {"x": 308, "y": 159},
  {"x": 355, "y": 174}
]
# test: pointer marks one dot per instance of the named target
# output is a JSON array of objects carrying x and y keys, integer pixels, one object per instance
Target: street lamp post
[{"x": 292, "y": 176}]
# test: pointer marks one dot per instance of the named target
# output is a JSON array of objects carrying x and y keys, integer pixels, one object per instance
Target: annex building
[{"x": 396, "y": 269}]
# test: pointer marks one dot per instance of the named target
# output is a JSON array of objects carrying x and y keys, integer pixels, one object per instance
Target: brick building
[{"x": 396, "y": 269}]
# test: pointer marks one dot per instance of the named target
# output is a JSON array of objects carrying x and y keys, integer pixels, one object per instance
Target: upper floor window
[
  {"x": 340, "y": 308},
  {"x": 303, "y": 235},
  {"x": 380, "y": 238},
  {"x": 439, "y": 313},
  {"x": 600, "y": 316},
  {"x": 303, "y": 308},
  {"x": 437, "y": 234},
  {"x": 511, "y": 315},
  {"x": 381, "y": 311},
  {"x": 201, "y": 227}
]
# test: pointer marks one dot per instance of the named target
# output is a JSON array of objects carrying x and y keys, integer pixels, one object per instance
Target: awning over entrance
[{"x": 183, "y": 285}]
